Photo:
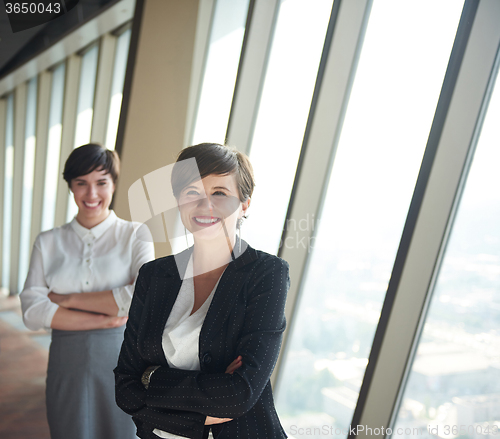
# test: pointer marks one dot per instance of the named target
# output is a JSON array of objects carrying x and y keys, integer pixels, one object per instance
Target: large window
[
  {"x": 28, "y": 174},
  {"x": 119, "y": 70},
  {"x": 85, "y": 110},
  {"x": 282, "y": 115},
  {"x": 7, "y": 199},
  {"x": 454, "y": 384},
  {"x": 58, "y": 87},
  {"x": 389, "y": 115},
  {"x": 53, "y": 147},
  {"x": 221, "y": 68}
]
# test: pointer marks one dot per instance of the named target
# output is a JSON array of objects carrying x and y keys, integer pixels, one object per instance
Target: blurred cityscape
[{"x": 455, "y": 377}]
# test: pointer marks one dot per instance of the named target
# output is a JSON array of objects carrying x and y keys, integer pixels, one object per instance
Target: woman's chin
[
  {"x": 92, "y": 213},
  {"x": 209, "y": 234}
]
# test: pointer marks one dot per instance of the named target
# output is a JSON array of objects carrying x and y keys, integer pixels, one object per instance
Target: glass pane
[
  {"x": 121, "y": 57},
  {"x": 85, "y": 106},
  {"x": 226, "y": 39},
  {"x": 282, "y": 117},
  {"x": 388, "y": 119},
  {"x": 28, "y": 174},
  {"x": 7, "y": 197},
  {"x": 85, "y": 110},
  {"x": 455, "y": 377},
  {"x": 53, "y": 148}
]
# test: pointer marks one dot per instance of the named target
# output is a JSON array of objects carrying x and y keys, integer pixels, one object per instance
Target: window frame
[{"x": 448, "y": 155}]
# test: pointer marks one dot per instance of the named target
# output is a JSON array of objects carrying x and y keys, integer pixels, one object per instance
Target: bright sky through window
[{"x": 389, "y": 115}]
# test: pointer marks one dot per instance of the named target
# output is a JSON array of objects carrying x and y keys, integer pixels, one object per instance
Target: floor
[{"x": 23, "y": 365}]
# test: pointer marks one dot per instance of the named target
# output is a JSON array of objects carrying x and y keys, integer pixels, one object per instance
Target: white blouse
[
  {"x": 182, "y": 332},
  {"x": 74, "y": 259}
]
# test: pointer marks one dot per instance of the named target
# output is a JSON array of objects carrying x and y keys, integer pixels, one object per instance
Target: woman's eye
[
  {"x": 191, "y": 192},
  {"x": 219, "y": 193},
  {"x": 81, "y": 183},
  {"x": 102, "y": 183}
]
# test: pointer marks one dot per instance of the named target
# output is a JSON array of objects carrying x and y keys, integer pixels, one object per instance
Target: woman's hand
[
  {"x": 114, "y": 322},
  {"x": 230, "y": 369},
  {"x": 234, "y": 365},
  {"x": 72, "y": 320},
  {"x": 101, "y": 302},
  {"x": 63, "y": 300},
  {"x": 211, "y": 420}
]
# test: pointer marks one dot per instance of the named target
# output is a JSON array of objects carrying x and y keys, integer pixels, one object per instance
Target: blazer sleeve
[
  {"x": 130, "y": 393},
  {"x": 232, "y": 395}
]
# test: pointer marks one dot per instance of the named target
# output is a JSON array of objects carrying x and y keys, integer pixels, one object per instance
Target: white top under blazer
[
  {"x": 74, "y": 259},
  {"x": 181, "y": 335}
]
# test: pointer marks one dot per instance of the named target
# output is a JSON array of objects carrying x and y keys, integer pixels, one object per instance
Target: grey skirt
[{"x": 80, "y": 391}]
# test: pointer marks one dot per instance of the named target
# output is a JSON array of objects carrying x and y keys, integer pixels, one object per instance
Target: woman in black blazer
[{"x": 240, "y": 293}]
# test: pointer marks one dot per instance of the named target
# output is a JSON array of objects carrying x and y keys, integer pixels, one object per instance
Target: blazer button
[{"x": 207, "y": 358}]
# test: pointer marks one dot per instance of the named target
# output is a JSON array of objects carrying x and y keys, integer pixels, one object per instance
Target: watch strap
[{"x": 146, "y": 376}]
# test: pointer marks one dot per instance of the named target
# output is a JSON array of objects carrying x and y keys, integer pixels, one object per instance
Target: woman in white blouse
[
  {"x": 79, "y": 285},
  {"x": 205, "y": 325}
]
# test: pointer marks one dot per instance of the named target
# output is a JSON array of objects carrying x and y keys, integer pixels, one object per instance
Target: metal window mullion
[
  {"x": 204, "y": 24},
  {"x": 20, "y": 98},
  {"x": 42, "y": 132},
  {"x": 103, "y": 88},
  {"x": 320, "y": 143},
  {"x": 3, "y": 123},
  {"x": 72, "y": 80},
  {"x": 434, "y": 217},
  {"x": 251, "y": 73}
]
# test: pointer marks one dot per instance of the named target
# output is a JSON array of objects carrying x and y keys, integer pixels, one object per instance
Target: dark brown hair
[
  {"x": 213, "y": 158},
  {"x": 88, "y": 158}
]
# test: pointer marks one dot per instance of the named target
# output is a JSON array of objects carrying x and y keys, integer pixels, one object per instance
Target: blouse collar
[
  {"x": 97, "y": 231},
  {"x": 240, "y": 257}
]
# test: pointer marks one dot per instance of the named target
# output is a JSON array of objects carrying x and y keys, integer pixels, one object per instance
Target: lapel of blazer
[
  {"x": 231, "y": 282},
  {"x": 165, "y": 288}
]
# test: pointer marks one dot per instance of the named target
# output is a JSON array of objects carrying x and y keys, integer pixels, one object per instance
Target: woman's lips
[
  {"x": 206, "y": 221},
  {"x": 93, "y": 205}
]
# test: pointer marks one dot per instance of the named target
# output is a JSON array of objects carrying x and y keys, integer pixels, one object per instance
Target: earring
[
  {"x": 238, "y": 226},
  {"x": 185, "y": 234}
]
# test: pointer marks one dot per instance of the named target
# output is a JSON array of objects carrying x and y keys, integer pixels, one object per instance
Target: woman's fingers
[
  {"x": 234, "y": 365},
  {"x": 115, "y": 322},
  {"x": 60, "y": 299},
  {"x": 211, "y": 420}
]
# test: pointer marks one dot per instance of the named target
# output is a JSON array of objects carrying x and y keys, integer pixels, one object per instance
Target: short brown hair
[
  {"x": 88, "y": 158},
  {"x": 213, "y": 158}
]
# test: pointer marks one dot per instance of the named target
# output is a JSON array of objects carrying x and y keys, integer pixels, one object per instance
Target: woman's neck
[
  {"x": 211, "y": 255},
  {"x": 90, "y": 223}
]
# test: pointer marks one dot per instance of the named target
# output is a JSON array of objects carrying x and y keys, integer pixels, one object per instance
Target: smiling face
[
  {"x": 210, "y": 204},
  {"x": 93, "y": 194}
]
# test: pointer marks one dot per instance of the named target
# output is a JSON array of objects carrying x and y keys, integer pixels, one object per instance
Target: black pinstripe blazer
[{"x": 246, "y": 317}]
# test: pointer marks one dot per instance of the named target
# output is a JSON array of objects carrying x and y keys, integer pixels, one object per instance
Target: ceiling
[
  {"x": 17, "y": 48},
  {"x": 11, "y": 43}
]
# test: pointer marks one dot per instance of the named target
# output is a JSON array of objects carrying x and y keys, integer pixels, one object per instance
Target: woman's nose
[
  {"x": 91, "y": 190},
  {"x": 206, "y": 202}
]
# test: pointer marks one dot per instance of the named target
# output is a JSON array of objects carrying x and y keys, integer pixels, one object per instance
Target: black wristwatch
[{"x": 146, "y": 376}]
